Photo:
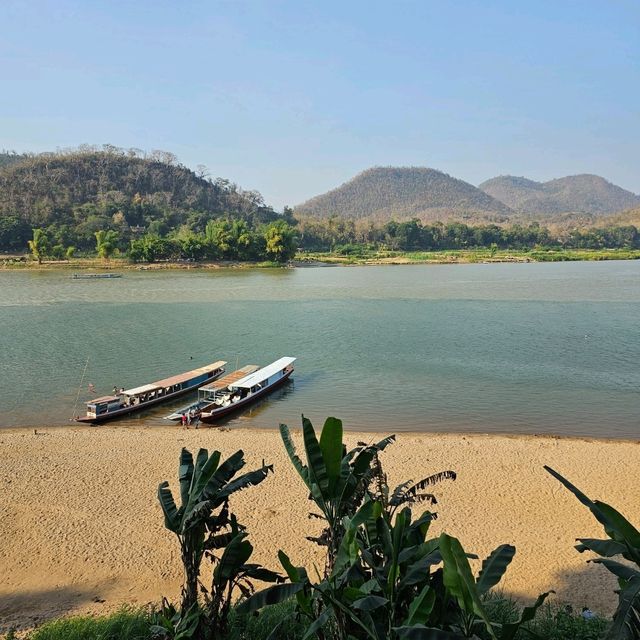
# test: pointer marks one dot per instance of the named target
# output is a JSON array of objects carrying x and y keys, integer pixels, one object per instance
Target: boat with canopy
[
  {"x": 247, "y": 389},
  {"x": 207, "y": 394},
  {"x": 129, "y": 400}
]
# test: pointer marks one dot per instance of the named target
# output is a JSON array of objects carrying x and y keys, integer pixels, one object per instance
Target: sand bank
[{"x": 81, "y": 530}]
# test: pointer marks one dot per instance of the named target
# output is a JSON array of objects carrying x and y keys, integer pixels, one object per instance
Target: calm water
[{"x": 535, "y": 348}]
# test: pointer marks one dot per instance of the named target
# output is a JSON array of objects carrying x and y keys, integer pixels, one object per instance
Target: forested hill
[
  {"x": 71, "y": 187},
  {"x": 585, "y": 194},
  {"x": 383, "y": 193}
]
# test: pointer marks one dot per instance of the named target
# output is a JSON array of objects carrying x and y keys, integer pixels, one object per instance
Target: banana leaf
[
  {"x": 331, "y": 447},
  {"x": 271, "y": 595},
  {"x": 236, "y": 553},
  {"x": 369, "y": 603},
  {"x": 494, "y": 567},
  {"x": 250, "y": 479},
  {"x": 171, "y": 515},
  {"x": 605, "y": 548},
  {"x": 421, "y": 607},
  {"x": 293, "y": 456},
  {"x": 317, "y": 468},
  {"x": 626, "y": 619},
  {"x": 459, "y": 580},
  {"x": 185, "y": 474},
  {"x": 622, "y": 571}
]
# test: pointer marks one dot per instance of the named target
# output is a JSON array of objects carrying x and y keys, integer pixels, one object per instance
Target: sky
[{"x": 293, "y": 98}]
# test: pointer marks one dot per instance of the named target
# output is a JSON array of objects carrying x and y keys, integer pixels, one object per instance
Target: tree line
[
  {"x": 346, "y": 236},
  {"x": 223, "y": 239}
]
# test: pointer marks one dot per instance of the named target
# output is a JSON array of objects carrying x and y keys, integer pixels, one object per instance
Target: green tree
[
  {"x": 14, "y": 233},
  {"x": 39, "y": 245},
  {"x": 206, "y": 527},
  {"x": 106, "y": 243},
  {"x": 280, "y": 241},
  {"x": 57, "y": 252}
]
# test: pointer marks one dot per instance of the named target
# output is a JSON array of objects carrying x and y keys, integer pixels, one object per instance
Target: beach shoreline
[{"x": 82, "y": 532}]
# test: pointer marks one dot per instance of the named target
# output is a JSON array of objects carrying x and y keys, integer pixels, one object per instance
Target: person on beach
[
  {"x": 183, "y": 420},
  {"x": 188, "y": 418}
]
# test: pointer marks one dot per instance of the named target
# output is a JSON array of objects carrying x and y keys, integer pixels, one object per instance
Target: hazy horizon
[{"x": 295, "y": 100}]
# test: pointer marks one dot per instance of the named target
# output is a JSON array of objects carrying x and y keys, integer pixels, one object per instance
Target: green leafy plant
[
  {"x": 106, "y": 243},
  {"x": 383, "y": 577},
  {"x": 623, "y": 540},
  {"x": 337, "y": 479},
  {"x": 205, "y": 527},
  {"x": 39, "y": 245}
]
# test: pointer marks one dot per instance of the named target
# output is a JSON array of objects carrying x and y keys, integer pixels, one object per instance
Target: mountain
[
  {"x": 621, "y": 219},
  {"x": 585, "y": 194},
  {"x": 382, "y": 193},
  {"x": 68, "y": 187}
]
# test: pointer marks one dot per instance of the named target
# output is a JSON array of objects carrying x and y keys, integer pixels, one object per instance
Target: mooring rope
[{"x": 75, "y": 406}]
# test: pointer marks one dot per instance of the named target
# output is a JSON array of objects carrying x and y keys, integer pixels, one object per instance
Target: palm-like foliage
[
  {"x": 205, "y": 526},
  {"x": 623, "y": 540},
  {"x": 106, "y": 243},
  {"x": 39, "y": 244},
  {"x": 337, "y": 479},
  {"x": 383, "y": 577}
]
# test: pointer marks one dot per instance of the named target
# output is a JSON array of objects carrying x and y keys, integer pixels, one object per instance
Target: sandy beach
[{"x": 81, "y": 530}]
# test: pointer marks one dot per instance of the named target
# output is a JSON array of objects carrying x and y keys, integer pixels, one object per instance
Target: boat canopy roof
[
  {"x": 145, "y": 388},
  {"x": 103, "y": 399},
  {"x": 227, "y": 380},
  {"x": 183, "y": 377},
  {"x": 180, "y": 378},
  {"x": 262, "y": 374}
]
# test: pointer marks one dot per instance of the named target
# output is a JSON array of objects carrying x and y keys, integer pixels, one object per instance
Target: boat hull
[
  {"x": 111, "y": 415},
  {"x": 214, "y": 416}
]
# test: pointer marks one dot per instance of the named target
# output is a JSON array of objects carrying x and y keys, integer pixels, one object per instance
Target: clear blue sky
[{"x": 293, "y": 98}]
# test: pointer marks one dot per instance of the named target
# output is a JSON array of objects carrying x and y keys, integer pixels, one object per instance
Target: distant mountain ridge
[
  {"x": 584, "y": 193},
  {"x": 406, "y": 192}
]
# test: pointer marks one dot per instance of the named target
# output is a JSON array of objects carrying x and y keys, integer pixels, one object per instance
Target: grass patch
[
  {"x": 551, "y": 623},
  {"x": 126, "y": 624},
  {"x": 472, "y": 256},
  {"x": 259, "y": 627}
]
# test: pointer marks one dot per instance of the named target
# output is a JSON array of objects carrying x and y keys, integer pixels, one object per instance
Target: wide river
[{"x": 516, "y": 348}]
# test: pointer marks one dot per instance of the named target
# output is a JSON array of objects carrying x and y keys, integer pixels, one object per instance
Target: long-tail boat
[
  {"x": 129, "y": 400},
  {"x": 248, "y": 389},
  {"x": 207, "y": 394}
]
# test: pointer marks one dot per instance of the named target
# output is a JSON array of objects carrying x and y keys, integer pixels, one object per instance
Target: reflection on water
[{"x": 536, "y": 348}]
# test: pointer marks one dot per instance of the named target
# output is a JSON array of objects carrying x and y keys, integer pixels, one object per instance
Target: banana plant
[
  {"x": 468, "y": 591},
  {"x": 337, "y": 479},
  {"x": 623, "y": 540},
  {"x": 204, "y": 525}
]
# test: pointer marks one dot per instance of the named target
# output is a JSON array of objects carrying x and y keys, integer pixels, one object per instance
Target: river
[{"x": 513, "y": 348}]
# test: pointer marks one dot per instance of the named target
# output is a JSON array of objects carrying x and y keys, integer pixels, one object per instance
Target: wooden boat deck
[{"x": 225, "y": 381}]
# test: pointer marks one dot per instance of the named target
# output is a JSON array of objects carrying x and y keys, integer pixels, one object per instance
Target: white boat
[
  {"x": 207, "y": 394},
  {"x": 247, "y": 389}
]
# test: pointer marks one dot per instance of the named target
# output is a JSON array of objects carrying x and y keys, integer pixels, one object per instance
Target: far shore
[
  {"x": 462, "y": 256},
  {"x": 82, "y": 532}
]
